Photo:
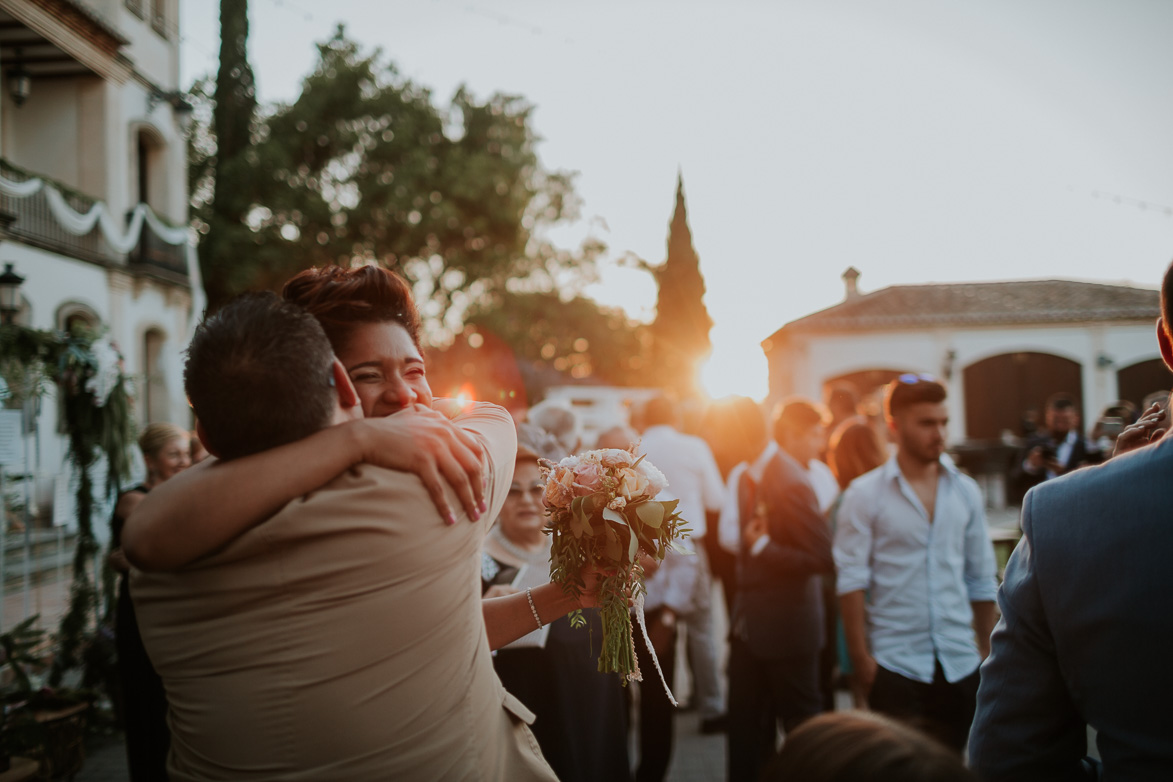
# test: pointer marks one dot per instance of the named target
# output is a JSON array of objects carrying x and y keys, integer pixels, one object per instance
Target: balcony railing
[
  {"x": 154, "y": 253},
  {"x": 31, "y": 221},
  {"x": 34, "y": 223}
]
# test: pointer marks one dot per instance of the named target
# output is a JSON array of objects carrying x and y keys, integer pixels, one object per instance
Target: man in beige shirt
[{"x": 343, "y": 639}]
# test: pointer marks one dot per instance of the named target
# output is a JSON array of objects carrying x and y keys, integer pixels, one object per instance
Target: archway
[
  {"x": 1007, "y": 392},
  {"x": 1137, "y": 381}
]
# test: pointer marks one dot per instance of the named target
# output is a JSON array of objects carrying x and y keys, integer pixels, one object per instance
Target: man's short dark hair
[
  {"x": 1060, "y": 401},
  {"x": 908, "y": 390},
  {"x": 796, "y": 415},
  {"x": 258, "y": 375}
]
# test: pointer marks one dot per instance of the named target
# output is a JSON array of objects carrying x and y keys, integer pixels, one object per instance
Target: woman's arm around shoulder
[{"x": 207, "y": 506}]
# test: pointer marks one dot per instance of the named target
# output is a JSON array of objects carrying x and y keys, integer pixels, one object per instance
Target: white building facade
[
  {"x": 1001, "y": 348},
  {"x": 93, "y": 191}
]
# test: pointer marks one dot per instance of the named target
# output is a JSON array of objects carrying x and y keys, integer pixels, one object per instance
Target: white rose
[{"x": 656, "y": 480}]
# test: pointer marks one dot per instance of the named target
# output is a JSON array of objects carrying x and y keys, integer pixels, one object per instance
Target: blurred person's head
[
  {"x": 1124, "y": 410},
  {"x": 260, "y": 373},
  {"x": 1061, "y": 415},
  {"x": 799, "y": 429},
  {"x": 559, "y": 421},
  {"x": 852, "y": 746},
  {"x": 661, "y": 411},
  {"x": 855, "y": 449},
  {"x": 166, "y": 451},
  {"x": 735, "y": 429},
  {"x": 620, "y": 437},
  {"x": 692, "y": 416},
  {"x": 368, "y": 314},
  {"x": 914, "y": 406},
  {"x": 523, "y": 516},
  {"x": 842, "y": 403}
]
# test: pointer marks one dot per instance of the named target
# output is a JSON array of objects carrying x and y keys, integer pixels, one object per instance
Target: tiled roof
[{"x": 984, "y": 303}]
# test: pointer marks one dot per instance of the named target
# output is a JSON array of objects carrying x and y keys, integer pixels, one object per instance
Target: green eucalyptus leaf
[
  {"x": 632, "y": 545},
  {"x": 651, "y": 513},
  {"x": 615, "y": 516},
  {"x": 613, "y": 550}
]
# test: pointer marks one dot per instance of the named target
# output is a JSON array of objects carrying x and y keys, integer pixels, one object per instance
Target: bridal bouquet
[{"x": 602, "y": 512}]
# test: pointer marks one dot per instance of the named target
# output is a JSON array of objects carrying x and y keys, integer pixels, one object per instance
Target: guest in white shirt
[
  {"x": 916, "y": 573},
  {"x": 694, "y": 479}
]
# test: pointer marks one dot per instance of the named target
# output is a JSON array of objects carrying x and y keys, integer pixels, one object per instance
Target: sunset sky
[{"x": 919, "y": 141}]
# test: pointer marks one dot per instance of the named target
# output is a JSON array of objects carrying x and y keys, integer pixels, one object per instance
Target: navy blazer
[
  {"x": 778, "y": 611},
  {"x": 1086, "y": 634}
]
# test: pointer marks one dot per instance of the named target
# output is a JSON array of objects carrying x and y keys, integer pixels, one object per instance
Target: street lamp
[
  {"x": 20, "y": 83},
  {"x": 179, "y": 102},
  {"x": 9, "y": 294}
]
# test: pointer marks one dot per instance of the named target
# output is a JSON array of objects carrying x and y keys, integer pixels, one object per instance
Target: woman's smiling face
[{"x": 386, "y": 368}]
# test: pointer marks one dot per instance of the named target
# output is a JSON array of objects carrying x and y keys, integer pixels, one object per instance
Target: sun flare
[{"x": 736, "y": 369}]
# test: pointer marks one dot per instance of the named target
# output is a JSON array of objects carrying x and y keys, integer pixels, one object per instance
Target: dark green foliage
[
  {"x": 578, "y": 337},
  {"x": 364, "y": 166},
  {"x": 681, "y": 329}
]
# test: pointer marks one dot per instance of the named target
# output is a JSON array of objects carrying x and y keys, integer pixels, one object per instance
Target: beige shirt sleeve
[{"x": 495, "y": 430}]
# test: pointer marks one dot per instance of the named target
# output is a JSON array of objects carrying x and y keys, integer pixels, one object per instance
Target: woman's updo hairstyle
[{"x": 342, "y": 298}]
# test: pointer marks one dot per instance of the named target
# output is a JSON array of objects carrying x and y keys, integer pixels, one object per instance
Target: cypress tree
[
  {"x": 235, "y": 110},
  {"x": 681, "y": 328}
]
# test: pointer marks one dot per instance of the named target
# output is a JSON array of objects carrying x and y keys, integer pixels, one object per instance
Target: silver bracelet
[{"x": 533, "y": 608}]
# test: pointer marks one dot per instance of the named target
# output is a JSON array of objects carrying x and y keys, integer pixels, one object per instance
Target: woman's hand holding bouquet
[{"x": 602, "y": 514}]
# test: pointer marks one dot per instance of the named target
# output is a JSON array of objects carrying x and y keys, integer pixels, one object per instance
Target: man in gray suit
[{"x": 1085, "y": 635}]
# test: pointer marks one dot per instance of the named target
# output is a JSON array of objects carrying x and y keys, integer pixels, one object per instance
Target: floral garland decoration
[{"x": 95, "y": 395}]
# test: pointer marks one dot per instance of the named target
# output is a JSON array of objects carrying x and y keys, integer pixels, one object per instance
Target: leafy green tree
[
  {"x": 365, "y": 167},
  {"x": 515, "y": 344},
  {"x": 680, "y": 332},
  {"x": 576, "y": 337}
]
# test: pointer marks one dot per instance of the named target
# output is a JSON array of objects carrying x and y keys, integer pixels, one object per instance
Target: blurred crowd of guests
[
  {"x": 765, "y": 498},
  {"x": 851, "y": 553}
]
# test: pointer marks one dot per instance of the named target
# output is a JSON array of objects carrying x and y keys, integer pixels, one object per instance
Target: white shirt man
[{"x": 916, "y": 572}]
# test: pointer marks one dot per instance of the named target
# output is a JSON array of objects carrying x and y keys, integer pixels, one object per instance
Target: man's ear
[
  {"x": 347, "y": 396},
  {"x": 203, "y": 435},
  {"x": 1164, "y": 343}
]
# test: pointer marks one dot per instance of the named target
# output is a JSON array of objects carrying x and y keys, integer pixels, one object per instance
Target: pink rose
[{"x": 588, "y": 478}]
